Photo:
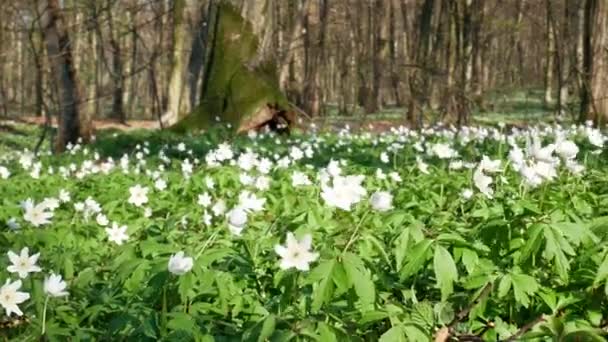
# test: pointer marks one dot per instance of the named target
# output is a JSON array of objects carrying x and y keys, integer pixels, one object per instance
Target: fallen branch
[{"x": 525, "y": 329}]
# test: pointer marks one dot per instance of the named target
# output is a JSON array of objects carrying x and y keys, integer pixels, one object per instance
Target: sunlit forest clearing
[{"x": 303, "y": 170}]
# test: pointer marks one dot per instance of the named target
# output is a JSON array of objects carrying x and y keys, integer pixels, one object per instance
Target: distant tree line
[{"x": 148, "y": 59}]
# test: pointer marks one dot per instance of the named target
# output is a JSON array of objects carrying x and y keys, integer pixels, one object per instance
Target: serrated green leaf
[
  {"x": 554, "y": 244},
  {"x": 524, "y": 286},
  {"x": 533, "y": 242},
  {"x": 504, "y": 286},
  {"x": 394, "y": 334},
  {"x": 415, "y": 258},
  {"x": 324, "y": 289},
  {"x": 401, "y": 247},
  {"x": 602, "y": 271},
  {"x": 469, "y": 259},
  {"x": 268, "y": 328},
  {"x": 361, "y": 278}
]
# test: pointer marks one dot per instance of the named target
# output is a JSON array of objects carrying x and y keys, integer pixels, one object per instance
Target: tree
[
  {"x": 241, "y": 82},
  {"x": 596, "y": 61},
  {"x": 58, "y": 47},
  {"x": 176, "y": 78}
]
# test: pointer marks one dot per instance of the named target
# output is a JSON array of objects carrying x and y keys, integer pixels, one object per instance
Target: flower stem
[
  {"x": 207, "y": 244},
  {"x": 46, "y": 302},
  {"x": 163, "y": 317},
  {"x": 352, "y": 237}
]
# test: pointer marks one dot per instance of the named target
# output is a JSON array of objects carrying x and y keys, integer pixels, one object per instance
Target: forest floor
[
  {"x": 512, "y": 107},
  {"x": 518, "y": 107}
]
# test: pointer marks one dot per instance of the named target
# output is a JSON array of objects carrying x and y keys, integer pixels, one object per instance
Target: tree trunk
[
  {"x": 118, "y": 78},
  {"x": 241, "y": 81},
  {"x": 550, "y": 57},
  {"x": 176, "y": 77},
  {"x": 197, "y": 59},
  {"x": 64, "y": 75},
  {"x": 596, "y": 60},
  {"x": 392, "y": 45},
  {"x": 418, "y": 80}
]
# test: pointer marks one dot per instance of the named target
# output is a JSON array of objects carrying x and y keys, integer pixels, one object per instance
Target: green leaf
[
  {"x": 602, "y": 271},
  {"x": 373, "y": 316},
  {"x": 533, "y": 242},
  {"x": 554, "y": 250},
  {"x": 414, "y": 333},
  {"x": 582, "y": 206},
  {"x": 182, "y": 321},
  {"x": 446, "y": 272},
  {"x": 469, "y": 259},
  {"x": 504, "y": 286},
  {"x": 394, "y": 334},
  {"x": 423, "y": 315},
  {"x": 416, "y": 258},
  {"x": 379, "y": 247},
  {"x": 524, "y": 286},
  {"x": 340, "y": 278},
  {"x": 401, "y": 247},
  {"x": 361, "y": 278},
  {"x": 186, "y": 285},
  {"x": 268, "y": 328},
  {"x": 68, "y": 268},
  {"x": 324, "y": 289},
  {"x": 326, "y": 333}
]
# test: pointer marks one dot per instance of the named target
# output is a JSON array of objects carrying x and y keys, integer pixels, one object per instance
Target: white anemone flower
[
  {"x": 36, "y": 214},
  {"x": 139, "y": 195},
  {"x": 180, "y": 264},
  {"x": 11, "y": 297},
  {"x": 117, "y": 234},
  {"x": 482, "y": 182},
  {"x": 566, "y": 149},
  {"x": 344, "y": 192},
  {"x": 299, "y": 179},
  {"x": 250, "y": 202},
  {"x": 204, "y": 200},
  {"x": 296, "y": 254},
  {"x": 381, "y": 201},
  {"x": 23, "y": 264},
  {"x": 55, "y": 286},
  {"x": 489, "y": 165},
  {"x": 237, "y": 220}
]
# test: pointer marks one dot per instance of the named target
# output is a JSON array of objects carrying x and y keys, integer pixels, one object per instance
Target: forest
[
  {"x": 304, "y": 170},
  {"x": 427, "y": 61}
]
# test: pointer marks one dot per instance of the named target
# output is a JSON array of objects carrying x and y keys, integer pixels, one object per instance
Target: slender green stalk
[
  {"x": 46, "y": 302},
  {"x": 163, "y": 317},
  {"x": 352, "y": 237},
  {"x": 207, "y": 243}
]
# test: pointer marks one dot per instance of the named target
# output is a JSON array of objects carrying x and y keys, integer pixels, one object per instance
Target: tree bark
[
  {"x": 118, "y": 78},
  {"x": 550, "y": 56},
  {"x": 241, "y": 82},
  {"x": 197, "y": 58},
  {"x": 64, "y": 75},
  {"x": 176, "y": 77},
  {"x": 596, "y": 60}
]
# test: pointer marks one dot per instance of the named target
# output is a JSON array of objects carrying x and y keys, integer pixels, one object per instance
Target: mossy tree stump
[{"x": 241, "y": 82}]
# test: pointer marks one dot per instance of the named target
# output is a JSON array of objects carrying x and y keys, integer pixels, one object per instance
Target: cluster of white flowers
[
  {"x": 23, "y": 264},
  {"x": 343, "y": 191},
  {"x": 534, "y": 160},
  {"x": 481, "y": 178},
  {"x": 538, "y": 163}
]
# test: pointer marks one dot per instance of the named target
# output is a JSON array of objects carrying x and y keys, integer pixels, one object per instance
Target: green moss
[{"x": 235, "y": 91}]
